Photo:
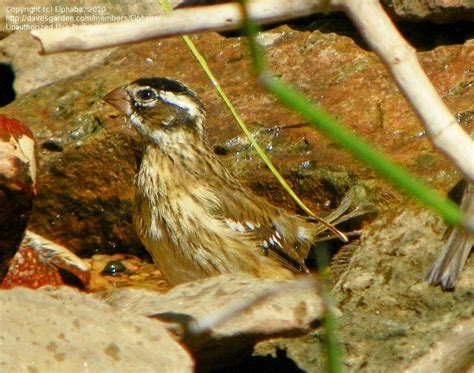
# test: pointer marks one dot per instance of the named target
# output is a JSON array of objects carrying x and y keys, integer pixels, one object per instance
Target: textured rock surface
[
  {"x": 406, "y": 313},
  {"x": 52, "y": 329},
  {"x": 390, "y": 317},
  {"x": 33, "y": 71},
  {"x": 433, "y": 10},
  {"x": 452, "y": 353},
  {"x": 289, "y": 313},
  {"x": 39, "y": 262},
  {"x": 18, "y": 185},
  {"x": 68, "y": 331}
]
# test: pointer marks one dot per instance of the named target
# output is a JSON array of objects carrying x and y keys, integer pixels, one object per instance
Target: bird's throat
[{"x": 166, "y": 168}]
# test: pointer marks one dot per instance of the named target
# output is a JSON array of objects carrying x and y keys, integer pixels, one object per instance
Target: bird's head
[{"x": 162, "y": 110}]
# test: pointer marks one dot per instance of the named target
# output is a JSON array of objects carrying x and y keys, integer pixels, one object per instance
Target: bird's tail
[
  {"x": 341, "y": 214},
  {"x": 450, "y": 262}
]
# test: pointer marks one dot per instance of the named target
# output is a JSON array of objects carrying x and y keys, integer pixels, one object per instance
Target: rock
[
  {"x": 289, "y": 312},
  {"x": 60, "y": 328},
  {"x": 35, "y": 261},
  {"x": 64, "y": 330},
  {"x": 33, "y": 71},
  {"x": 38, "y": 262},
  {"x": 18, "y": 185},
  {"x": 439, "y": 11},
  {"x": 391, "y": 323},
  {"x": 452, "y": 353},
  {"x": 406, "y": 313},
  {"x": 21, "y": 51}
]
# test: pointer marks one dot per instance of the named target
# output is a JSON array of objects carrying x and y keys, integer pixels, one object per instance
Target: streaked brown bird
[{"x": 191, "y": 214}]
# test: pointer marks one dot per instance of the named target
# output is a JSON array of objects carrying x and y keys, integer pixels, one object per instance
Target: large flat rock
[{"x": 68, "y": 331}]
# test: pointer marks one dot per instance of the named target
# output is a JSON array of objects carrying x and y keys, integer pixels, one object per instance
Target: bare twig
[
  {"x": 180, "y": 22},
  {"x": 380, "y": 33}
]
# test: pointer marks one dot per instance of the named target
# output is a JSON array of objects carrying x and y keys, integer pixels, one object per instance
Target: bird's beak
[{"x": 120, "y": 99}]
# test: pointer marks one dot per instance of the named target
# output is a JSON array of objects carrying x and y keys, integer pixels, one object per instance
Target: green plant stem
[
  {"x": 165, "y": 5},
  {"x": 331, "y": 344}
]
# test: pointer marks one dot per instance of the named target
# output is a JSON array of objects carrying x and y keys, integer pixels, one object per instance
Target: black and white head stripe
[
  {"x": 183, "y": 101},
  {"x": 165, "y": 84},
  {"x": 148, "y": 90}
]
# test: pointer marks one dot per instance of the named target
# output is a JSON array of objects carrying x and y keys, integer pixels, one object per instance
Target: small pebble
[{"x": 114, "y": 268}]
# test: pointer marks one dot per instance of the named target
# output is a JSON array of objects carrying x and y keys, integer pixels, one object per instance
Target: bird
[
  {"x": 191, "y": 214},
  {"x": 452, "y": 258}
]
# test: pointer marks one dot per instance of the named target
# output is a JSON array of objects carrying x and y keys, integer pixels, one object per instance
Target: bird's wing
[{"x": 244, "y": 212}]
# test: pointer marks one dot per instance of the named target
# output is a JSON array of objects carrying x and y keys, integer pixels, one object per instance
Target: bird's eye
[{"x": 146, "y": 94}]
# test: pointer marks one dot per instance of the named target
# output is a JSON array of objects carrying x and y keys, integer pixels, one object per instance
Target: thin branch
[
  {"x": 180, "y": 22},
  {"x": 382, "y": 36}
]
